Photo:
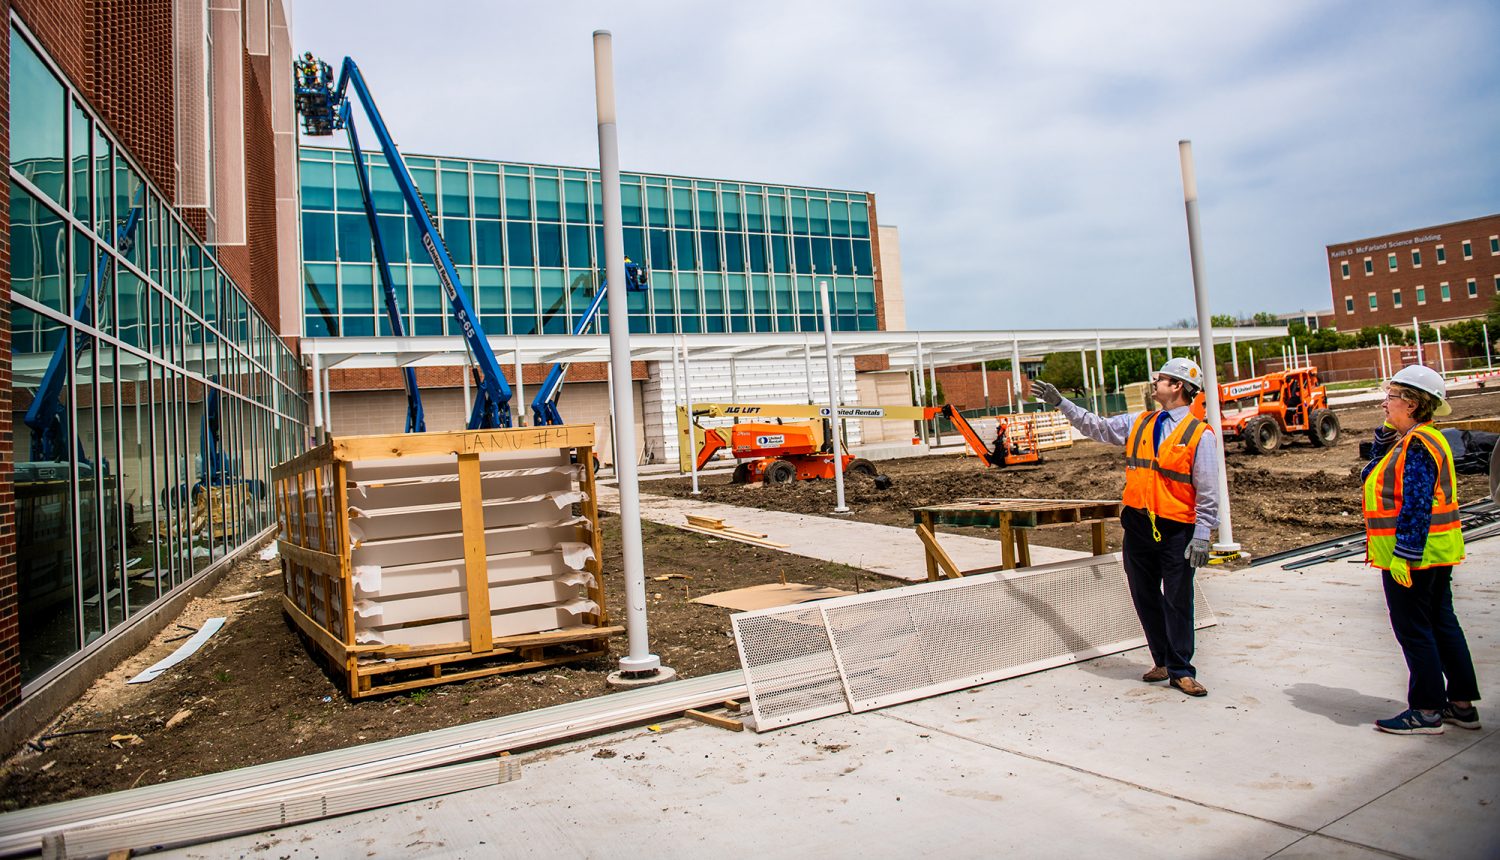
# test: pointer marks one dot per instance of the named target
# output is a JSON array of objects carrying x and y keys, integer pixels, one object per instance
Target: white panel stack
[{"x": 407, "y": 547}]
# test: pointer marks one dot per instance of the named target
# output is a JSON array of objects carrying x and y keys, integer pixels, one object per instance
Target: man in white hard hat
[{"x": 1171, "y": 507}]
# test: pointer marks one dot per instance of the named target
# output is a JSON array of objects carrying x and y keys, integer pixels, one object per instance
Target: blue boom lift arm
[
  {"x": 544, "y": 405},
  {"x": 46, "y": 416},
  {"x": 325, "y": 108}
]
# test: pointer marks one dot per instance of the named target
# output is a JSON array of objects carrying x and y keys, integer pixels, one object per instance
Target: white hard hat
[
  {"x": 1184, "y": 369},
  {"x": 1425, "y": 379}
]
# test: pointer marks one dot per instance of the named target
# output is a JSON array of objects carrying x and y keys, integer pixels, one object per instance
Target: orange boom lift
[{"x": 780, "y": 452}]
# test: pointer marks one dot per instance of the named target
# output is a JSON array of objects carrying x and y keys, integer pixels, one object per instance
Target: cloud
[{"x": 1027, "y": 152}]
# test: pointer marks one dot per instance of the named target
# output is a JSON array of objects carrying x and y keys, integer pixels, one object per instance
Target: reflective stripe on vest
[
  {"x": 1161, "y": 481},
  {"x": 1383, "y": 493}
]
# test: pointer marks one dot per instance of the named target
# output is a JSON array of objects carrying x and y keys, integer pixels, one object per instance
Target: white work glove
[
  {"x": 1046, "y": 392},
  {"x": 1197, "y": 552}
]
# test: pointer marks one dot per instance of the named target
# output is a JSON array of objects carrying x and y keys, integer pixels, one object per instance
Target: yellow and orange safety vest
[
  {"x": 1160, "y": 481},
  {"x": 1383, "y": 497}
]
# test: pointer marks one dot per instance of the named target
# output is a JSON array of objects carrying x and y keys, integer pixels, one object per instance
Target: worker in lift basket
[{"x": 1171, "y": 506}]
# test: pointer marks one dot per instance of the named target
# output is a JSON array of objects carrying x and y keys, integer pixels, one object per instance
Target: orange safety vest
[
  {"x": 1161, "y": 481},
  {"x": 1383, "y": 499}
]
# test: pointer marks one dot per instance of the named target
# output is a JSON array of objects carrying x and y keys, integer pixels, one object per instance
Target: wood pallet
[
  {"x": 1014, "y": 518},
  {"x": 718, "y": 528},
  {"x": 319, "y": 552}
]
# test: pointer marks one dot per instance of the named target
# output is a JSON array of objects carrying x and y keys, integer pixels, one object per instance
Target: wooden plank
[
  {"x": 1023, "y": 547},
  {"x": 714, "y": 720},
  {"x": 315, "y": 631},
  {"x": 476, "y": 571},
  {"x": 320, "y": 562},
  {"x": 588, "y": 483},
  {"x": 1100, "y": 547},
  {"x": 370, "y": 689},
  {"x": 386, "y": 667},
  {"x": 463, "y": 442},
  {"x": 1007, "y": 550},
  {"x": 924, "y": 522},
  {"x": 341, "y": 534},
  {"x": 307, "y": 600},
  {"x": 719, "y": 533},
  {"x": 310, "y": 459},
  {"x": 705, "y": 522},
  {"x": 937, "y": 556}
]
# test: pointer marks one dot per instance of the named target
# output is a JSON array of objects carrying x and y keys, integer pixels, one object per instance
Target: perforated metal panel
[
  {"x": 908, "y": 643},
  {"x": 876, "y": 649},
  {"x": 788, "y": 663}
]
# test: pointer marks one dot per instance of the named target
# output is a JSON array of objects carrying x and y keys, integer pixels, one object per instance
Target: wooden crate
[{"x": 419, "y": 559}]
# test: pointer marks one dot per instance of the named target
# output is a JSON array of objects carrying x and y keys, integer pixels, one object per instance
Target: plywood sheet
[{"x": 767, "y": 596}]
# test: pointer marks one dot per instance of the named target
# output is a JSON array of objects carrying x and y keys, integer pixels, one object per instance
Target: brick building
[
  {"x": 1437, "y": 274},
  {"x": 148, "y": 237}
]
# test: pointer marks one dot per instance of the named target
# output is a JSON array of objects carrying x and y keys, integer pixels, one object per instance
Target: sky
[{"x": 1027, "y": 152}]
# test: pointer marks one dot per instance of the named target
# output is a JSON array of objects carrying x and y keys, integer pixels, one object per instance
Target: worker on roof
[
  {"x": 1412, "y": 533},
  {"x": 1171, "y": 507}
]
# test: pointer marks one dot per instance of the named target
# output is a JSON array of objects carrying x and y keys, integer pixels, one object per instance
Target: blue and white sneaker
[
  {"x": 1412, "y": 722},
  {"x": 1464, "y": 718}
]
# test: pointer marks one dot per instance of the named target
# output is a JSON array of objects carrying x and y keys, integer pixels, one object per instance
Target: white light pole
[
  {"x": 1205, "y": 341},
  {"x": 984, "y": 380},
  {"x": 1416, "y": 333},
  {"x": 1442, "y": 362},
  {"x": 1234, "y": 354},
  {"x": 519, "y": 415},
  {"x": 1488, "y": 364},
  {"x": 687, "y": 391},
  {"x": 1015, "y": 373},
  {"x": 639, "y": 665},
  {"x": 833, "y": 402},
  {"x": 921, "y": 385}
]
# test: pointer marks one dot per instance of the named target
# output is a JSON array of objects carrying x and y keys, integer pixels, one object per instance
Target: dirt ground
[
  {"x": 1299, "y": 495},
  {"x": 255, "y": 694}
]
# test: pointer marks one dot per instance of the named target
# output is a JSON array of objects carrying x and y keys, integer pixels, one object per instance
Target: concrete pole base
[{"x": 626, "y": 680}]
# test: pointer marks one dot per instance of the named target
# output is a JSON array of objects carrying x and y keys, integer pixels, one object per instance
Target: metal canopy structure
[{"x": 937, "y": 348}]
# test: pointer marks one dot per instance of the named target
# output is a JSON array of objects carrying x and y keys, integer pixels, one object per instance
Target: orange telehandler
[
  {"x": 1285, "y": 402},
  {"x": 779, "y": 453}
]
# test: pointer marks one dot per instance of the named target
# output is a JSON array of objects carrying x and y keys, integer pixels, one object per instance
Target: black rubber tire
[
  {"x": 861, "y": 466},
  {"x": 1323, "y": 428},
  {"x": 1262, "y": 435},
  {"x": 780, "y": 472},
  {"x": 741, "y": 474}
]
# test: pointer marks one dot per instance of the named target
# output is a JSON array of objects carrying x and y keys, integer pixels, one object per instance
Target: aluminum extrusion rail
[
  {"x": 1480, "y": 520},
  {"x": 23, "y": 832}
]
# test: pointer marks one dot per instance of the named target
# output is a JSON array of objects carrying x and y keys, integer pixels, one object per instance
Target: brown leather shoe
[
  {"x": 1157, "y": 673},
  {"x": 1190, "y": 686}
]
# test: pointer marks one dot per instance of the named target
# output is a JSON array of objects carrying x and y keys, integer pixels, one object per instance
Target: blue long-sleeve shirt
[
  {"x": 1418, "y": 483},
  {"x": 1115, "y": 430}
]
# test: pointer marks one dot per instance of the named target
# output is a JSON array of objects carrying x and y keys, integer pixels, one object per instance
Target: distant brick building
[{"x": 1441, "y": 273}]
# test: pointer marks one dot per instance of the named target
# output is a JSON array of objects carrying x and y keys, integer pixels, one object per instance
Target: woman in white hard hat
[
  {"x": 1412, "y": 534},
  {"x": 1171, "y": 507}
]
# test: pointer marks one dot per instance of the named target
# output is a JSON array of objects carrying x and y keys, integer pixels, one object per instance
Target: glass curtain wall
[
  {"x": 149, "y": 398},
  {"x": 527, "y": 239}
]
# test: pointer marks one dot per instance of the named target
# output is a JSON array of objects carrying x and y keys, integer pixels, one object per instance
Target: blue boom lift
[
  {"x": 544, "y": 405},
  {"x": 46, "y": 416},
  {"x": 325, "y": 108}
]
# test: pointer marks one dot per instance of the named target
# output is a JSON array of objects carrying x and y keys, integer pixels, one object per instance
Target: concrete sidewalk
[
  {"x": 1280, "y": 759},
  {"x": 888, "y": 550}
]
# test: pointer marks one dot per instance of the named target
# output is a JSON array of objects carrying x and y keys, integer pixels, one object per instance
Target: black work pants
[
  {"x": 1431, "y": 639},
  {"x": 1161, "y": 586}
]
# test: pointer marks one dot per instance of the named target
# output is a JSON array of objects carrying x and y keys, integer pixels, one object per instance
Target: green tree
[
  {"x": 1063, "y": 370},
  {"x": 1223, "y": 321},
  {"x": 1266, "y": 318},
  {"x": 1467, "y": 334}
]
